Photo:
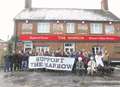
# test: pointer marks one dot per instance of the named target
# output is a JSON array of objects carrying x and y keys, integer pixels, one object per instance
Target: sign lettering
[
  {"x": 68, "y": 38},
  {"x": 54, "y": 63}
]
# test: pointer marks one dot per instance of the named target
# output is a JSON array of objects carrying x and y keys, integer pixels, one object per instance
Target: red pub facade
[{"x": 68, "y": 29}]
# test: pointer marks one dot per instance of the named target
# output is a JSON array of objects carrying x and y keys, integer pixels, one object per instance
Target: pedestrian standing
[
  {"x": 8, "y": 63},
  {"x": 80, "y": 67},
  {"x": 24, "y": 64},
  {"x": 91, "y": 66},
  {"x": 15, "y": 62},
  {"x": 106, "y": 60},
  {"x": 99, "y": 59}
]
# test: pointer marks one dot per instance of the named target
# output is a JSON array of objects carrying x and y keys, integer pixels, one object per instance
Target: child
[{"x": 91, "y": 66}]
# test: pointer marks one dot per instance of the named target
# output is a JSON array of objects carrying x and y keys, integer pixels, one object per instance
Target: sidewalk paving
[{"x": 55, "y": 79}]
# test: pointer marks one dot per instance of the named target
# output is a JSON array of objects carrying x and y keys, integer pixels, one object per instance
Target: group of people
[
  {"x": 84, "y": 61},
  {"x": 16, "y": 62},
  {"x": 95, "y": 61},
  {"x": 90, "y": 66}
]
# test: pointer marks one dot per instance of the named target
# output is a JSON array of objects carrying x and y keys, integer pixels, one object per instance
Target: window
[
  {"x": 70, "y": 47},
  {"x": 96, "y": 28},
  {"x": 43, "y": 28},
  {"x": 26, "y": 28},
  {"x": 70, "y": 27},
  {"x": 42, "y": 49},
  {"x": 109, "y": 29},
  {"x": 82, "y": 28},
  {"x": 68, "y": 44},
  {"x": 58, "y": 28},
  {"x": 97, "y": 49},
  {"x": 28, "y": 45},
  {"x": 117, "y": 29}
]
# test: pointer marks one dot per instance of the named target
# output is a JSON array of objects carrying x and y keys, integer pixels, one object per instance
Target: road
[{"x": 57, "y": 79}]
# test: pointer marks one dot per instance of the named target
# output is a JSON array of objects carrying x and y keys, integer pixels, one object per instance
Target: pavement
[{"x": 57, "y": 79}]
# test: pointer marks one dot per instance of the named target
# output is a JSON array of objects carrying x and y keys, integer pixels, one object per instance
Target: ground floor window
[
  {"x": 97, "y": 49},
  {"x": 69, "y": 47},
  {"x": 35, "y": 47},
  {"x": 42, "y": 48},
  {"x": 28, "y": 46}
]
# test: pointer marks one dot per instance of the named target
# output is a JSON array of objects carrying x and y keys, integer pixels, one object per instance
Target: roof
[{"x": 66, "y": 14}]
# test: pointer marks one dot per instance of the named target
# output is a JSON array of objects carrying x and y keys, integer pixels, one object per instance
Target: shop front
[{"x": 70, "y": 43}]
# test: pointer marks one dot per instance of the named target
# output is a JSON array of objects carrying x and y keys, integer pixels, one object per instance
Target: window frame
[
  {"x": 83, "y": 28},
  {"x": 57, "y": 28},
  {"x": 69, "y": 45},
  {"x": 45, "y": 48},
  {"x": 43, "y": 25},
  {"x": 107, "y": 27},
  {"x": 26, "y": 28},
  {"x": 69, "y": 27},
  {"x": 93, "y": 28}
]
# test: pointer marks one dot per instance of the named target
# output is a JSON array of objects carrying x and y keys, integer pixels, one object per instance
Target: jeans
[
  {"x": 8, "y": 67},
  {"x": 24, "y": 65}
]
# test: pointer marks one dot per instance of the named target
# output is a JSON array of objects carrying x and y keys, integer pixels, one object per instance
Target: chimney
[
  {"x": 28, "y": 4},
  {"x": 104, "y": 4}
]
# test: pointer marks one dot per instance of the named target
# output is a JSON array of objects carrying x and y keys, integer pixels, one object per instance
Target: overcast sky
[{"x": 10, "y": 8}]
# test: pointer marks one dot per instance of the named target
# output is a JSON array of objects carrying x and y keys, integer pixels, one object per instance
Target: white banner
[{"x": 54, "y": 63}]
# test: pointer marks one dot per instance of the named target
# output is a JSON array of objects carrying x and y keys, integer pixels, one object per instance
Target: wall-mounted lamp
[
  {"x": 83, "y": 22},
  {"x": 110, "y": 22},
  {"x": 64, "y": 21},
  {"x": 58, "y": 22},
  {"x": 26, "y": 21}
]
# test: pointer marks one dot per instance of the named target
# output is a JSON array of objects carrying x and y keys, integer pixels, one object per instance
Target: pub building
[{"x": 68, "y": 29}]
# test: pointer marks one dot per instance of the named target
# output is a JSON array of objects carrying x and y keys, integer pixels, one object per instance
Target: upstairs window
[
  {"x": 58, "y": 28},
  {"x": 26, "y": 28},
  {"x": 70, "y": 27},
  {"x": 117, "y": 29},
  {"x": 109, "y": 29},
  {"x": 82, "y": 28},
  {"x": 43, "y": 28},
  {"x": 96, "y": 28},
  {"x": 42, "y": 48}
]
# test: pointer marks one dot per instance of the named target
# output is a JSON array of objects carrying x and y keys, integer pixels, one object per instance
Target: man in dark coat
[
  {"x": 8, "y": 61},
  {"x": 24, "y": 64}
]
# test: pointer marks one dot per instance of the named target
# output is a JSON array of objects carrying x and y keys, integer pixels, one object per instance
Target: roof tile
[{"x": 66, "y": 14}]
